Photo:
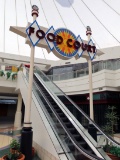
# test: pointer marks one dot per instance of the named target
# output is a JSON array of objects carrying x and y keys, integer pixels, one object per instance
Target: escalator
[
  {"x": 75, "y": 139},
  {"x": 74, "y": 143},
  {"x": 54, "y": 96},
  {"x": 69, "y": 105}
]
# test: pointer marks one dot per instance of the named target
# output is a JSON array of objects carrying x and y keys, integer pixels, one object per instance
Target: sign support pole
[
  {"x": 27, "y": 133},
  {"x": 91, "y": 128},
  {"x": 88, "y": 33}
]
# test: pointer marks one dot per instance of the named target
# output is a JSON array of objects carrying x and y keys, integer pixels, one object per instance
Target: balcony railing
[{"x": 109, "y": 65}]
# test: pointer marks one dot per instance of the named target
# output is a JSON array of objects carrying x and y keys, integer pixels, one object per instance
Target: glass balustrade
[{"x": 109, "y": 65}]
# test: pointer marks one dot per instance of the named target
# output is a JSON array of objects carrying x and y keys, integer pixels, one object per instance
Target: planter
[
  {"x": 13, "y": 150},
  {"x": 33, "y": 151},
  {"x": 22, "y": 157},
  {"x": 113, "y": 157}
]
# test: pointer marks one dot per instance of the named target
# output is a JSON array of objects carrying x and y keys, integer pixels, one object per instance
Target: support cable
[
  {"x": 26, "y": 11},
  {"x": 30, "y": 3},
  {"x": 4, "y": 27},
  {"x": 82, "y": 23},
  {"x": 59, "y": 13},
  {"x": 100, "y": 21},
  {"x": 47, "y": 24},
  {"x": 16, "y": 25},
  {"x": 44, "y": 13},
  {"x": 111, "y": 7}
]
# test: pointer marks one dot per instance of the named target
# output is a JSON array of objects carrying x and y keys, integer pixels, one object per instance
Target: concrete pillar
[{"x": 18, "y": 115}]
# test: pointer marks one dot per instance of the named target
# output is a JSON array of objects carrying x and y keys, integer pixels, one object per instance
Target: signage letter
[
  {"x": 68, "y": 43},
  {"x": 31, "y": 30},
  {"x": 51, "y": 37},
  {"x": 89, "y": 48},
  {"x": 59, "y": 39},
  {"x": 77, "y": 45},
  {"x": 42, "y": 34},
  {"x": 93, "y": 49},
  {"x": 84, "y": 46}
]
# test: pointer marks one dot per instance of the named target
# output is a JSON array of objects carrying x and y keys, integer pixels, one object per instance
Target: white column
[
  {"x": 90, "y": 82},
  {"x": 90, "y": 90},
  {"x": 27, "y": 122},
  {"x": 18, "y": 115}
]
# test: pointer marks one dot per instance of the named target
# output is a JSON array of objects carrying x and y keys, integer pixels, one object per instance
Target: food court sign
[{"x": 62, "y": 42}]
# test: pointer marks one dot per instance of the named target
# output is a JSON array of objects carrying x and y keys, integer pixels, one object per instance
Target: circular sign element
[{"x": 67, "y": 39}]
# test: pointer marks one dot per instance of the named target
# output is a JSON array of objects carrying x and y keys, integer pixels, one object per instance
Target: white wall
[
  {"x": 7, "y": 85},
  {"x": 105, "y": 79}
]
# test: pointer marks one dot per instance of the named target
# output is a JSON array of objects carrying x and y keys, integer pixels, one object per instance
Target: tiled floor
[
  {"x": 4, "y": 140},
  {"x": 5, "y": 136}
]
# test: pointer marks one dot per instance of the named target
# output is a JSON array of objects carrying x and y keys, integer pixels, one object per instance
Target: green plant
[
  {"x": 1, "y": 73},
  {"x": 8, "y": 74},
  {"x": 111, "y": 118},
  {"x": 14, "y": 144},
  {"x": 115, "y": 150},
  {"x": 112, "y": 149},
  {"x": 14, "y": 152},
  {"x": 14, "y": 75}
]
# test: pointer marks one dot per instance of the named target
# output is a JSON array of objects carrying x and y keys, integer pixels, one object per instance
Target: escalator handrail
[
  {"x": 91, "y": 156},
  {"x": 80, "y": 110}
]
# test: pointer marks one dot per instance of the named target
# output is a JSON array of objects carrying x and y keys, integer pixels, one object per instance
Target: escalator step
[
  {"x": 45, "y": 92},
  {"x": 43, "y": 89},
  {"x": 48, "y": 96},
  {"x": 54, "y": 119},
  {"x": 58, "y": 110},
  {"x": 79, "y": 156},
  {"x": 71, "y": 146},
  {"x": 73, "y": 130},
  {"x": 53, "y": 103},
  {"x": 58, "y": 125},
  {"x": 89, "y": 150},
  {"x": 61, "y": 114},
  {"x": 65, "y": 119},
  {"x": 55, "y": 107},
  {"x": 77, "y": 137},
  {"x": 83, "y": 144},
  {"x": 51, "y": 100},
  {"x": 68, "y": 124}
]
